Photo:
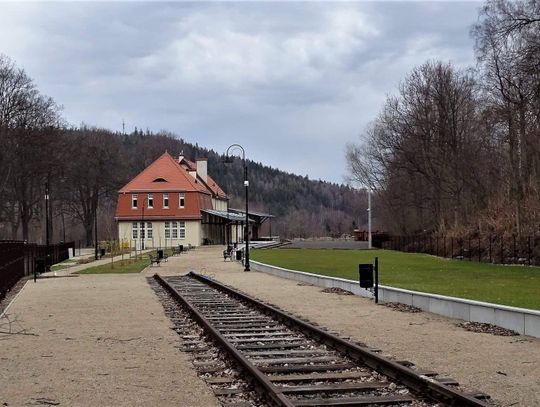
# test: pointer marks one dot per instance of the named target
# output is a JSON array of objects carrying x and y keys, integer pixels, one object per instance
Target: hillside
[{"x": 302, "y": 207}]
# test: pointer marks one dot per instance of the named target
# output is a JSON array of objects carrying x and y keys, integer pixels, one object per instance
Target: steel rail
[
  {"x": 259, "y": 379},
  {"x": 422, "y": 385}
]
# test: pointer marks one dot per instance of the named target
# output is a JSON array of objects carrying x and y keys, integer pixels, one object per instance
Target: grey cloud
[{"x": 293, "y": 82}]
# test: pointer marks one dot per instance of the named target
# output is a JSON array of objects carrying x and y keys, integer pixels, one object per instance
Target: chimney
[{"x": 202, "y": 168}]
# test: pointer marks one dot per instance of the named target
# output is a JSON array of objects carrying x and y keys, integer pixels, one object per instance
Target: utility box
[
  {"x": 239, "y": 255},
  {"x": 366, "y": 275},
  {"x": 160, "y": 253}
]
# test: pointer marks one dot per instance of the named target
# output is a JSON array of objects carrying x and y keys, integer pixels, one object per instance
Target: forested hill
[
  {"x": 85, "y": 167},
  {"x": 302, "y": 207}
]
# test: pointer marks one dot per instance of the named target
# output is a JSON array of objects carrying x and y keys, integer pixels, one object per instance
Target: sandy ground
[
  {"x": 507, "y": 368},
  {"x": 94, "y": 340}
]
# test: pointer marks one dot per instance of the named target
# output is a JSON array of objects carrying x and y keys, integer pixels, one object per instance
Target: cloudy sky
[{"x": 291, "y": 82}]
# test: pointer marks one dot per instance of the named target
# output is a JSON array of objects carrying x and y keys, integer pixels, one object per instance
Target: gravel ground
[
  {"x": 94, "y": 340},
  {"x": 507, "y": 368}
]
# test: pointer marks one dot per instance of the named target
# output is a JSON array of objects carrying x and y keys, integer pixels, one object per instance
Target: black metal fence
[
  {"x": 18, "y": 259},
  {"x": 502, "y": 249}
]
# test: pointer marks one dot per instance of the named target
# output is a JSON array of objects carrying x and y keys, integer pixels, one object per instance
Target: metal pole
[
  {"x": 47, "y": 216},
  {"x": 376, "y": 280},
  {"x": 246, "y": 184},
  {"x": 47, "y": 254},
  {"x": 490, "y": 255},
  {"x": 529, "y": 250},
  {"x": 369, "y": 219},
  {"x": 142, "y": 226},
  {"x": 95, "y": 229}
]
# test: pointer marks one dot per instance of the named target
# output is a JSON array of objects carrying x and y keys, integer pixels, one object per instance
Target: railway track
[{"x": 290, "y": 362}]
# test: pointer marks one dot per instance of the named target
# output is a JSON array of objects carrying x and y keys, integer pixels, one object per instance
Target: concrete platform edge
[{"x": 521, "y": 320}]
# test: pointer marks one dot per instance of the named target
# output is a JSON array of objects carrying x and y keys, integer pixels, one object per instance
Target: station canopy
[
  {"x": 230, "y": 216},
  {"x": 258, "y": 217}
]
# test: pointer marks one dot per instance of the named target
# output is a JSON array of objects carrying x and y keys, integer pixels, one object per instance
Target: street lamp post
[
  {"x": 369, "y": 219},
  {"x": 95, "y": 229},
  {"x": 142, "y": 225},
  {"x": 47, "y": 228},
  {"x": 229, "y": 159}
]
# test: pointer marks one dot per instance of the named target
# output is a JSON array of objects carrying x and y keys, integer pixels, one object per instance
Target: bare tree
[{"x": 28, "y": 131}]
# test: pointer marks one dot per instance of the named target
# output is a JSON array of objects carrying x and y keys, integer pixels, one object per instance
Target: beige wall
[
  {"x": 219, "y": 204},
  {"x": 193, "y": 235}
]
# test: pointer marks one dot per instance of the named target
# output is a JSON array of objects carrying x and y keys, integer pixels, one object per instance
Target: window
[
  {"x": 142, "y": 230},
  {"x": 165, "y": 200},
  {"x": 167, "y": 230},
  {"x": 133, "y": 201},
  {"x": 150, "y": 201},
  {"x": 182, "y": 230},
  {"x": 175, "y": 230},
  {"x": 181, "y": 199},
  {"x": 134, "y": 233},
  {"x": 149, "y": 233}
]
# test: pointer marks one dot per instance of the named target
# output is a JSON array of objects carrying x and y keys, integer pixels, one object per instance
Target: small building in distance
[{"x": 175, "y": 202}]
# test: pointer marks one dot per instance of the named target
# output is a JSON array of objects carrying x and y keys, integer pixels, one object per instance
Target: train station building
[{"x": 176, "y": 202}]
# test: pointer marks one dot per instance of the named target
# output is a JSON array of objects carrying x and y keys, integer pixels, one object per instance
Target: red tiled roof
[
  {"x": 212, "y": 185},
  {"x": 215, "y": 188},
  {"x": 165, "y": 167}
]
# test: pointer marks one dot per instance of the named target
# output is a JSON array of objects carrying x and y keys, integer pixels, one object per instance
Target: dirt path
[{"x": 507, "y": 368}]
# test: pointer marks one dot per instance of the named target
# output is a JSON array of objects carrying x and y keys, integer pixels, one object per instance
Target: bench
[
  {"x": 227, "y": 255},
  {"x": 177, "y": 251},
  {"x": 154, "y": 260}
]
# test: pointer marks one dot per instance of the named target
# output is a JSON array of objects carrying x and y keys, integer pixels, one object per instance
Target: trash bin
[
  {"x": 365, "y": 272},
  {"x": 101, "y": 252},
  {"x": 181, "y": 247},
  {"x": 39, "y": 265},
  {"x": 239, "y": 255},
  {"x": 160, "y": 253}
]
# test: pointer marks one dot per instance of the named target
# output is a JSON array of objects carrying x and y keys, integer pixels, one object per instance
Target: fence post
[
  {"x": 444, "y": 245},
  {"x": 514, "y": 247},
  {"x": 479, "y": 249},
  {"x": 490, "y": 255},
  {"x": 529, "y": 250},
  {"x": 502, "y": 249},
  {"x": 451, "y": 247}
]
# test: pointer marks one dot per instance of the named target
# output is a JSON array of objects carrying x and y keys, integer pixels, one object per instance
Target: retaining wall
[{"x": 524, "y": 321}]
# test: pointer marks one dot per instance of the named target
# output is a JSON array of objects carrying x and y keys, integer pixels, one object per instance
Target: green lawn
[
  {"x": 135, "y": 266},
  {"x": 516, "y": 286}
]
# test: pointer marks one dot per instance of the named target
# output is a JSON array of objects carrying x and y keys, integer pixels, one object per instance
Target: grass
[
  {"x": 63, "y": 265},
  {"x": 516, "y": 286},
  {"x": 135, "y": 266}
]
